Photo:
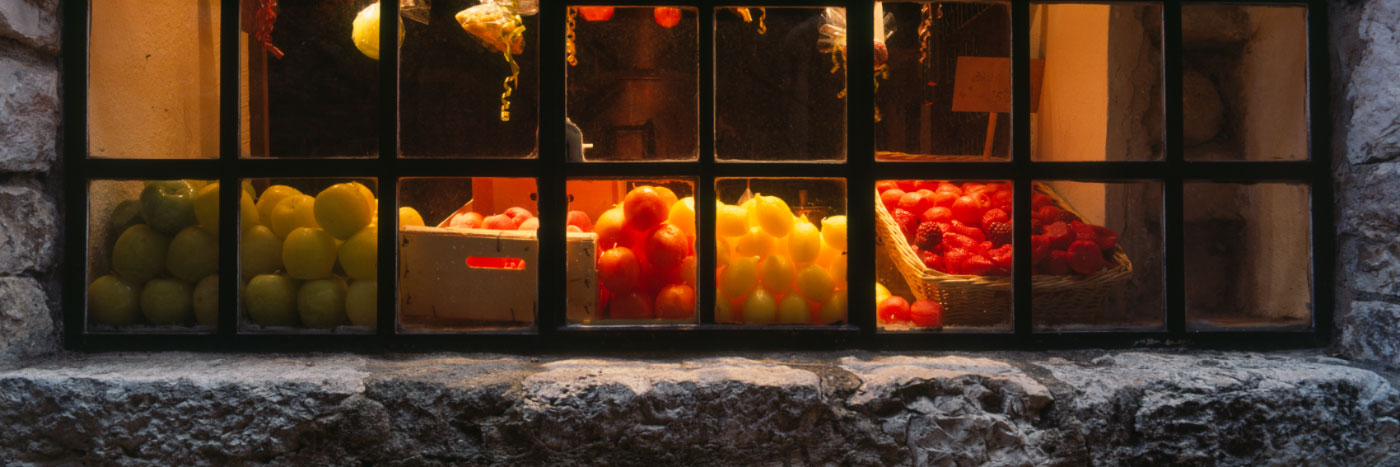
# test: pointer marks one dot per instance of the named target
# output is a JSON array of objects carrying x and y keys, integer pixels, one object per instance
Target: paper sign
[{"x": 983, "y": 84}]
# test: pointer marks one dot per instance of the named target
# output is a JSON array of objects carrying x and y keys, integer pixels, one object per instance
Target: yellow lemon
[
  {"x": 793, "y": 310},
  {"x": 724, "y": 310},
  {"x": 834, "y": 310},
  {"x": 683, "y": 215},
  {"x": 773, "y": 215},
  {"x": 361, "y": 303},
  {"x": 731, "y": 221},
  {"x": 270, "y": 197},
  {"x": 365, "y": 31},
  {"x": 409, "y": 216},
  {"x": 739, "y": 277},
  {"x": 206, "y": 209},
  {"x": 760, "y": 307},
  {"x": 837, "y": 268},
  {"x": 294, "y": 212},
  {"x": 359, "y": 255},
  {"x": 815, "y": 283},
  {"x": 881, "y": 293},
  {"x": 755, "y": 243},
  {"x": 834, "y": 231},
  {"x": 777, "y": 274},
  {"x": 342, "y": 210},
  {"x": 804, "y": 243},
  {"x": 308, "y": 253},
  {"x": 722, "y": 251}
]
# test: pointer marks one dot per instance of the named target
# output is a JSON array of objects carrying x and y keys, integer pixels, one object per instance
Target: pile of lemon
[{"x": 777, "y": 268}]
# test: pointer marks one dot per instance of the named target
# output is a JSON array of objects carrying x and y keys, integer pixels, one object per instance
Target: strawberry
[
  {"x": 906, "y": 185},
  {"x": 928, "y": 236},
  {"x": 971, "y": 232},
  {"x": 949, "y": 188},
  {"x": 908, "y": 224},
  {"x": 1039, "y": 200},
  {"x": 984, "y": 247},
  {"x": 1002, "y": 200},
  {"x": 1084, "y": 231},
  {"x": 1001, "y": 256},
  {"x": 956, "y": 241},
  {"x": 994, "y": 215},
  {"x": 1040, "y": 248},
  {"x": 1056, "y": 264},
  {"x": 954, "y": 259},
  {"x": 977, "y": 265},
  {"x": 1060, "y": 235},
  {"x": 930, "y": 185},
  {"x": 969, "y": 208},
  {"x": 1046, "y": 214},
  {"x": 998, "y": 232},
  {"x": 1106, "y": 238},
  {"x": 1085, "y": 257},
  {"x": 945, "y": 199},
  {"x": 914, "y": 202},
  {"x": 931, "y": 260}
]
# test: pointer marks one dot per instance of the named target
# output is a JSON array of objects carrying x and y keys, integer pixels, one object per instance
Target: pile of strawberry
[{"x": 966, "y": 229}]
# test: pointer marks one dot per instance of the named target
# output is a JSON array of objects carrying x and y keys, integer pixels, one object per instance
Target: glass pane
[
  {"x": 944, "y": 91},
  {"x": 467, "y": 254},
  {"x": 943, "y": 255},
  {"x": 1097, "y": 251},
  {"x": 1099, "y": 72},
  {"x": 777, "y": 94},
  {"x": 631, "y": 251},
  {"x": 153, "y": 260},
  {"x": 781, "y": 250},
  {"x": 309, "y": 83},
  {"x": 1244, "y": 82},
  {"x": 1247, "y": 256},
  {"x": 153, "y": 79},
  {"x": 311, "y": 261},
  {"x": 460, "y": 94},
  {"x": 633, "y": 83}
]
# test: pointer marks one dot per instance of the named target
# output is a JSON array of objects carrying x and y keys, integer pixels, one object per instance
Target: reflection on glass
[
  {"x": 309, "y": 83},
  {"x": 467, "y": 253},
  {"x": 1097, "y": 256},
  {"x": 1100, "y": 91},
  {"x": 1244, "y": 82},
  {"x": 461, "y": 93},
  {"x": 309, "y": 255},
  {"x": 781, "y": 251},
  {"x": 633, "y": 89},
  {"x": 943, "y": 255},
  {"x": 631, "y": 251},
  {"x": 153, "y": 79},
  {"x": 777, "y": 94},
  {"x": 1247, "y": 256},
  {"x": 153, "y": 260},
  {"x": 944, "y": 89}
]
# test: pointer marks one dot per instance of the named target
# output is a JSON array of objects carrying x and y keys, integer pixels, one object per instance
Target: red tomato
[
  {"x": 619, "y": 270},
  {"x": 667, "y": 247},
  {"x": 891, "y": 198},
  {"x": 596, "y": 13},
  {"x": 893, "y": 310},
  {"x": 667, "y": 16},
  {"x": 926, "y": 314},
  {"x": 630, "y": 306},
  {"x": 675, "y": 302}
]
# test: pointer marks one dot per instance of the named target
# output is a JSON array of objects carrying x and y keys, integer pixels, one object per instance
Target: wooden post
[{"x": 991, "y": 135}]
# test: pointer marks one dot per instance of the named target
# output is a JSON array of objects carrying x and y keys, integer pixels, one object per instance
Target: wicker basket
[{"x": 972, "y": 300}]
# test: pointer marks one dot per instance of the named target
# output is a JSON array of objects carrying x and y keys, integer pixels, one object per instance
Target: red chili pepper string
[{"x": 267, "y": 16}]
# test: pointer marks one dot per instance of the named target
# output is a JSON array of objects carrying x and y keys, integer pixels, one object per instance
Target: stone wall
[
  {"x": 30, "y": 178},
  {"x": 1366, "y": 147}
]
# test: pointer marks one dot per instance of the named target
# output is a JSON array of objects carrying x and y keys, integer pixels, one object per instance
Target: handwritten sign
[{"x": 983, "y": 84}]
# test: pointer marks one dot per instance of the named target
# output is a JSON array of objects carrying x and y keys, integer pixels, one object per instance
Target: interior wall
[
  {"x": 1073, "y": 119},
  {"x": 154, "y": 78},
  {"x": 1272, "y": 69}
]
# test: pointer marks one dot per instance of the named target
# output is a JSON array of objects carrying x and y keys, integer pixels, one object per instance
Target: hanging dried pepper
[
  {"x": 266, "y": 18},
  {"x": 570, "y": 50},
  {"x": 925, "y": 31}
]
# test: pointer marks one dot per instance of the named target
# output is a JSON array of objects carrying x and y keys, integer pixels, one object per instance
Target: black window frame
[{"x": 550, "y": 171}]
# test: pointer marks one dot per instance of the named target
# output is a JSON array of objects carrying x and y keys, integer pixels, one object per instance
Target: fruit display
[
  {"x": 775, "y": 267},
  {"x": 164, "y": 257},
  {"x": 645, "y": 256},
  {"x": 966, "y": 229},
  {"x": 300, "y": 264}
]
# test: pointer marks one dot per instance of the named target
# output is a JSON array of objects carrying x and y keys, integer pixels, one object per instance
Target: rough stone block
[
  {"x": 1368, "y": 330},
  {"x": 1372, "y": 133},
  {"x": 29, "y": 108},
  {"x": 32, "y": 22},
  {"x": 28, "y": 231},
  {"x": 1076, "y": 408},
  {"x": 26, "y": 327}
]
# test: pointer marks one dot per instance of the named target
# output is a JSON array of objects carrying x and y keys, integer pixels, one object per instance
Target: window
[{"x": 574, "y": 175}]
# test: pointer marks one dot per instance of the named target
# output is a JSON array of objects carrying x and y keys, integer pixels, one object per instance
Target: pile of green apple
[{"x": 165, "y": 262}]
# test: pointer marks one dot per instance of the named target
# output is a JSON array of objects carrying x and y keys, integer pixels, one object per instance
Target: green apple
[
  {"x": 321, "y": 303},
  {"x": 166, "y": 302},
  {"x": 168, "y": 205},
  {"x": 193, "y": 254},
  {"x": 271, "y": 300},
  {"x": 206, "y": 301},
  {"x": 361, "y": 303},
  {"x": 206, "y": 209},
  {"x": 139, "y": 254},
  {"x": 261, "y": 252},
  {"x": 113, "y": 301},
  {"x": 126, "y": 214}
]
